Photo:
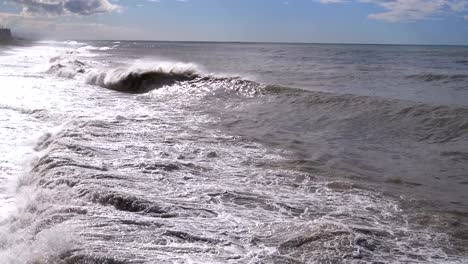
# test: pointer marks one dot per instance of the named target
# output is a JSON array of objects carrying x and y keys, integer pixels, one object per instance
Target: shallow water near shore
[{"x": 161, "y": 152}]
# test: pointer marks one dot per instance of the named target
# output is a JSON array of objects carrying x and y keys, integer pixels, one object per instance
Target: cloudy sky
[{"x": 330, "y": 21}]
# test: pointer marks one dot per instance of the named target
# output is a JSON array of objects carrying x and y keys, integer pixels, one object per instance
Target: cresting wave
[
  {"x": 142, "y": 80},
  {"x": 142, "y": 76},
  {"x": 133, "y": 79}
]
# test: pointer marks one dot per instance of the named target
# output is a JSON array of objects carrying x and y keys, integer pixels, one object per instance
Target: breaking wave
[
  {"x": 142, "y": 79},
  {"x": 145, "y": 77}
]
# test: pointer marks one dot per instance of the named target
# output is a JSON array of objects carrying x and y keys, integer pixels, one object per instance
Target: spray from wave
[
  {"x": 143, "y": 77},
  {"x": 138, "y": 79}
]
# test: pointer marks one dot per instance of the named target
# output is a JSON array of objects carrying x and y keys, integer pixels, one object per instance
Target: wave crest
[
  {"x": 139, "y": 78},
  {"x": 143, "y": 79}
]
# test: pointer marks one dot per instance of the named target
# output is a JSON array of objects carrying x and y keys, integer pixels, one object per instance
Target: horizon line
[{"x": 255, "y": 42}]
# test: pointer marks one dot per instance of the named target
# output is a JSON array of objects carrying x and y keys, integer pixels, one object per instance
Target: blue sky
[{"x": 329, "y": 21}]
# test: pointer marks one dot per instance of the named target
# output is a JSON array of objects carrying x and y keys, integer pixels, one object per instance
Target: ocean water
[{"x": 168, "y": 152}]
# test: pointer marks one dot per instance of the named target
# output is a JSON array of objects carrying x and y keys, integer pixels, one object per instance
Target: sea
[{"x": 115, "y": 152}]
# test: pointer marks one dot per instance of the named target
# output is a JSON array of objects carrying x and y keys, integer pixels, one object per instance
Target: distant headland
[{"x": 5, "y": 34}]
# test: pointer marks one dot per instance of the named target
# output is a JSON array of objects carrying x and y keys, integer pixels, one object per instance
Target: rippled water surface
[{"x": 159, "y": 152}]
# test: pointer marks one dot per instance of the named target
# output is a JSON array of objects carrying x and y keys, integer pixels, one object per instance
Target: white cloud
[
  {"x": 65, "y": 7},
  {"x": 411, "y": 10}
]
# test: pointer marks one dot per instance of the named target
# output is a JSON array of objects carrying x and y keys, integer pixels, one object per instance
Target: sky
[{"x": 315, "y": 21}]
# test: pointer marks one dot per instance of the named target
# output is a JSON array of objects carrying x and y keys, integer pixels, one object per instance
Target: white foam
[
  {"x": 106, "y": 78},
  {"x": 44, "y": 247}
]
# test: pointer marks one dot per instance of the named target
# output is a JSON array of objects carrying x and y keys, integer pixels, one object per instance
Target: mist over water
[{"x": 161, "y": 152}]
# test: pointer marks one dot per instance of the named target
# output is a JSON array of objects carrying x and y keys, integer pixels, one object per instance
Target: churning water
[{"x": 162, "y": 152}]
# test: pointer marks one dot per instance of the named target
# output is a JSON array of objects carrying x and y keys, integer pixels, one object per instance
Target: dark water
[{"x": 160, "y": 152}]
